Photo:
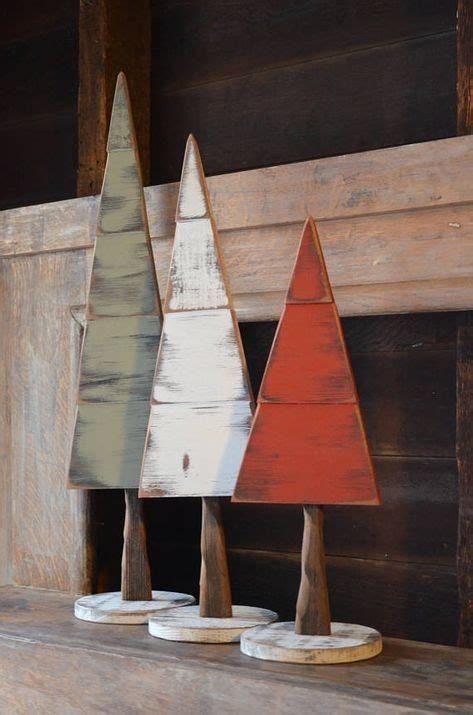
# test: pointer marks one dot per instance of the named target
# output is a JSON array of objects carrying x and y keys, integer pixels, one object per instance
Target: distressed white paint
[
  {"x": 195, "y": 450},
  {"x": 195, "y": 277},
  {"x": 347, "y": 643},
  {"x": 192, "y": 201},
  {"x": 185, "y": 624},
  {"x": 200, "y": 359},
  {"x": 111, "y": 608}
]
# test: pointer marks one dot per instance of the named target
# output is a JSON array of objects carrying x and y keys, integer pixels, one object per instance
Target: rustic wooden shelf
[{"x": 51, "y": 662}]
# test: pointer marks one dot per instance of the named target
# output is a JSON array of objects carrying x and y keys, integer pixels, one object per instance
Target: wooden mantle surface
[
  {"x": 396, "y": 226},
  {"x": 52, "y": 663}
]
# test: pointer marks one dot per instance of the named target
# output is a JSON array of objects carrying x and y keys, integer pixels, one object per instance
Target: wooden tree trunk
[
  {"x": 215, "y": 594},
  {"x": 313, "y": 610},
  {"x": 136, "y": 575}
]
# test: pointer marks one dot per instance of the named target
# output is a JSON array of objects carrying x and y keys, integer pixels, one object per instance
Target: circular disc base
[
  {"x": 185, "y": 624},
  {"x": 347, "y": 643},
  {"x": 110, "y": 608}
]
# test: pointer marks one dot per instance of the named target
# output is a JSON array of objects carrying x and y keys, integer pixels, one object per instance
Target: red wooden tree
[{"x": 307, "y": 444}]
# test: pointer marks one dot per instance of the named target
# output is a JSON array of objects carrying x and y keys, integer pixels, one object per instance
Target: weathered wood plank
[
  {"x": 464, "y": 67},
  {"x": 103, "y": 53},
  {"x": 416, "y": 521},
  {"x": 118, "y": 358},
  {"x": 465, "y": 472},
  {"x": 5, "y": 427},
  {"x": 49, "y": 527},
  {"x": 210, "y": 369},
  {"x": 307, "y": 404},
  {"x": 195, "y": 449},
  {"x": 417, "y": 84},
  {"x": 202, "y": 403},
  {"x": 250, "y": 38},
  {"x": 119, "y": 353},
  {"x": 43, "y": 649},
  {"x": 402, "y": 253},
  {"x": 423, "y": 600}
]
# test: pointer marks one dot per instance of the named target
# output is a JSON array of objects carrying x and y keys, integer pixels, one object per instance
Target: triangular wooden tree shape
[
  {"x": 307, "y": 444},
  {"x": 201, "y": 403},
  {"x": 120, "y": 344}
]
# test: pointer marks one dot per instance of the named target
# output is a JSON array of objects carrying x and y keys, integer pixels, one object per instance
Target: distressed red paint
[
  {"x": 309, "y": 282},
  {"x": 307, "y": 444}
]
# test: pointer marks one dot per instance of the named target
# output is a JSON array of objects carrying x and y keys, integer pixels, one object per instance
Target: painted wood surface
[
  {"x": 307, "y": 443},
  {"x": 347, "y": 644},
  {"x": 123, "y": 323},
  {"x": 403, "y": 208},
  {"x": 465, "y": 67},
  {"x": 201, "y": 404}
]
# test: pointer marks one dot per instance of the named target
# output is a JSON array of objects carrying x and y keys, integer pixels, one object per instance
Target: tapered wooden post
[
  {"x": 136, "y": 574},
  {"x": 215, "y": 594},
  {"x": 313, "y": 610}
]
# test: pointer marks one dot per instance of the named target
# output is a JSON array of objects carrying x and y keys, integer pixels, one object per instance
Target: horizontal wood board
[
  {"x": 402, "y": 209},
  {"x": 43, "y": 649}
]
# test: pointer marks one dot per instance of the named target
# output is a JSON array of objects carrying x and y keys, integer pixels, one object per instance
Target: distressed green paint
[
  {"x": 122, "y": 206},
  {"x": 123, "y": 324},
  {"x": 108, "y": 445},
  {"x": 122, "y": 280},
  {"x": 120, "y": 131},
  {"x": 119, "y": 358}
]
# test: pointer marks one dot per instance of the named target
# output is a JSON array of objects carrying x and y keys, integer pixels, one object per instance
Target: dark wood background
[{"x": 262, "y": 83}]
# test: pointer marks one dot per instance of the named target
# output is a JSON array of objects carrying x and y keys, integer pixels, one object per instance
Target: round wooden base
[
  {"x": 185, "y": 624},
  {"x": 278, "y": 641},
  {"x": 110, "y": 608}
]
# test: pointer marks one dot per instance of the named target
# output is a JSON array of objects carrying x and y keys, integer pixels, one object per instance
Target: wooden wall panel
[
  {"x": 251, "y": 37},
  {"x": 400, "y": 207},
  {"x": 5, "y": 474},
  {"x": 38, "y": 74},
  {"x": 49, "y": 529},
  {"x": 324, "y": 107}
]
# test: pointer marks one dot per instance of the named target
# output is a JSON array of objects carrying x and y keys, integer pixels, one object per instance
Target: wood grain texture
[
  {"x": 102, "y": 55},
  {"x": 464, "y": 67},
  {"x": 210, "y": 370},
  {"x": 402, "y": 208},
  {"x": 118, "y": 359},
  {"x": 119, "y": 352},
  {"x": 312, "y": 608},
  {"x": 309, "y": 361},
  {"x": 215, "y": 600},
  {"x": 136, "y": 574},
  {"x": 423, "y": 599},
  {"x": 347, "y": 643},
  {"x": 5, "y": 432},
  {"x": 465, "y": 473},
  {"x": 417, "y": 84},
  {"x": 252, "y": 38},
  {"x": 113, "y": 608},
  {"x": 307, "y": 443},
  {"x": 189, "y": 626},
  {"x": 207, "y": 440},
  {"x": 49, "y": 545},
  {"x": 202, "y": 403},
  {"x": 43, "y": 649}
]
